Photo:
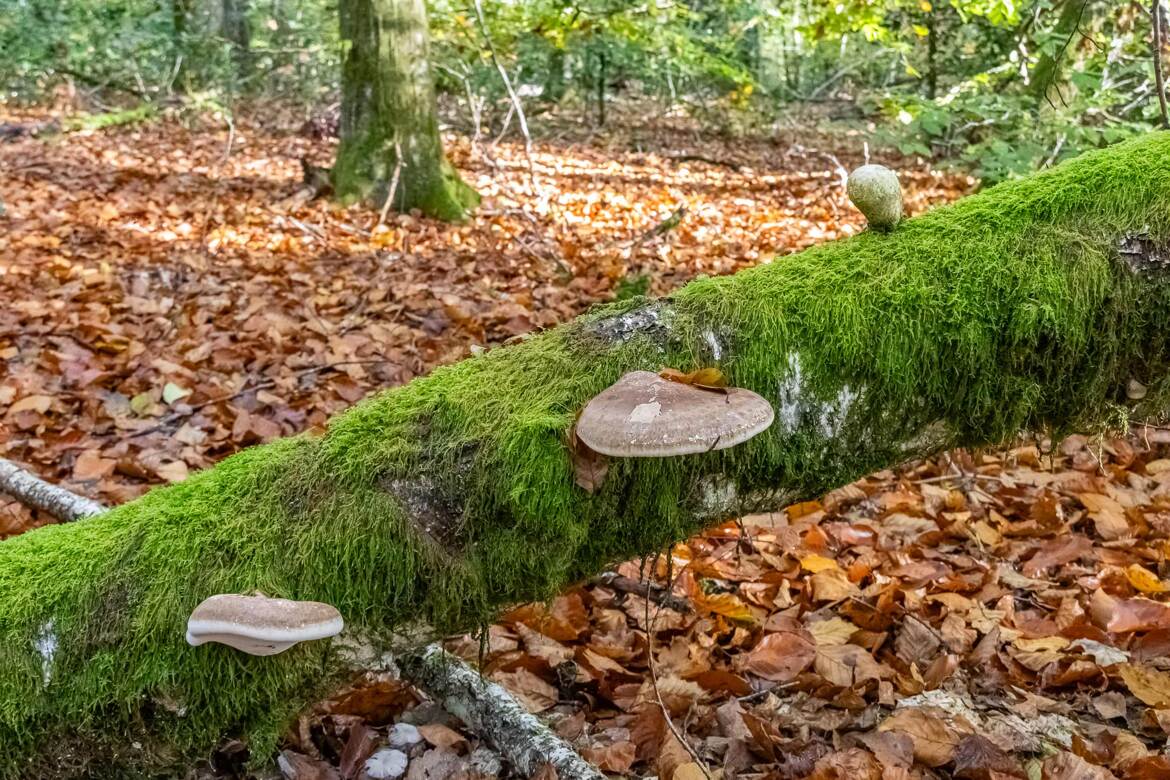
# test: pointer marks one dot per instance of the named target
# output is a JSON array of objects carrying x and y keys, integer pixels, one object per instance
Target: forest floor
[{"x": 173, "y": 295}]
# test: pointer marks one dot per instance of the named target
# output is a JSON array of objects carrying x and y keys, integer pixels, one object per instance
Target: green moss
[
  {"x": 1007, "y": 311},
  {"x": 139, "y": 113}
]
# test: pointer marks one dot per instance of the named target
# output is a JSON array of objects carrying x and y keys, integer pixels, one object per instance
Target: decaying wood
[
  {"x": 488, "y": 709},
  {"x": 520, "y": 737},
  {"x": 33, "y": 491}
]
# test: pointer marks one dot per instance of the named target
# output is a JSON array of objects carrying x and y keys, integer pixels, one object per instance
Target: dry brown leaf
[
  {"x": 1108, "y": 515},
  {"x": 1067, "y": 766},
  {"x": 1149, "y": 685},
  {"x": 1057, "y": 552},
  {"x": 781, "y": 656},
  {"x": 1124, "y": 616},
  {"x": 847, "y": 665},
  {"x": 832, "y": 585},
  {"x": 815, "y": 563},
  {"x": 935, "y": 740},
  {"x": 831, "y": 632},
  {"x": 534, "y": 693},
  {"x": 1144, "y": 580},
  {"x": 442, "y": 736},
  {"x": 978, "y": 758}
]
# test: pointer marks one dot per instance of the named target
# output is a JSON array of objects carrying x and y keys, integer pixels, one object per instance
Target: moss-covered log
[
  {"x": 1029, "y": 306},
  {"x": 390, "y": 144}
]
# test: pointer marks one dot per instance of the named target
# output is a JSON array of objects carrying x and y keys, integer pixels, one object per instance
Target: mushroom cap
[
  {"x": 643, "y": 415},
  {"x": 876, "y": 192},
  {"x": 259, "y": 625}
]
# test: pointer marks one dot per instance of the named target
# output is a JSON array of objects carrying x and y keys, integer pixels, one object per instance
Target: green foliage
[
  {"x": 999, "y": 86},
  {"x": 632, "y": 287},
  {"x": 151, "y": 49},
  {"x": 1005, "y": 93},
  {"x": 1009, "y": 310}
]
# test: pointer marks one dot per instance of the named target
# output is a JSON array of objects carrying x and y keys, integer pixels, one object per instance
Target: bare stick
[
  {"x": 682, "y": 739},
  {"x": 489, "y": 710},
  {"x": 1156, "y": 20},
  {"x": 174, "y": 417},
  {"x": 393, "y": 185},
  {"x": 32, "y": 491},
  {"x": 508, "y": 86}
]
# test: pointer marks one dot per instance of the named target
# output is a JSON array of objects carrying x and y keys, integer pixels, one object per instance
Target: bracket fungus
[
  {"x": 259, "y": 625},
  {"x": 876, "y": 192},
  {"x": 643, "y": 415}
]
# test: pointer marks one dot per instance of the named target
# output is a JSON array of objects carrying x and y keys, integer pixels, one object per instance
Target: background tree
[{"x": 390, "y": 144}]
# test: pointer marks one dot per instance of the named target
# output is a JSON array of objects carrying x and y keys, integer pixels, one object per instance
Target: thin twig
[
  {"x": 654, "y": 681},
  {"x": 483, "y": 26},
  {"x": 171, "y": 419},
  {"x": 393, "y": 187},
  {"x": 472, "y": 106},
  {"x": 1156, "y": 19}
]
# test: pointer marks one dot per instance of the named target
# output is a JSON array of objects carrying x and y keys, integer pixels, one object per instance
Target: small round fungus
[
  {"x": 643, "y": 415},
  {"x": 259, "y": 625},
  {"x": 875, "y": 191}
]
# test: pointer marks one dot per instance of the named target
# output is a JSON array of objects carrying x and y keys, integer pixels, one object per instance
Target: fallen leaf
[
  {"x": 1124, "y": 616},
  {"x": 442, "y": 736},
  {"x": 978, "y": 758},
  {"x": 1108, "y": 515},
  {"x": 1067, "y": 766},
  {"x": 935, "y": 741},
  {"x": 831, "y": 585},
  {"x": 1144, "y": 580},
  {"x": 815, "y": 563},
  {"x": 847, "y": 665},
  {"x": 1149, "y": 685},
  {"x": 781, "y": 656},
  {"x": 1057, "y": 552}
]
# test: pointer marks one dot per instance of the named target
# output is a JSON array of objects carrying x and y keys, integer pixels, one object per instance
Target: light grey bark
[
  {"x": 490, "y": 710},
  {"x": 33, "y": 491}
]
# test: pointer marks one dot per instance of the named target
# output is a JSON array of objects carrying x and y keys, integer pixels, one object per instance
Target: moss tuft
[{"x": 1007, "y": 311}]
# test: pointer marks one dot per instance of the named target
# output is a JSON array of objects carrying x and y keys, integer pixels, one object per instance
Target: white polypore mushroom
[
  {"x": 876, "y": 192},
  {"x": 643, "y": 415},
  {"x": 259, "y": 625}
]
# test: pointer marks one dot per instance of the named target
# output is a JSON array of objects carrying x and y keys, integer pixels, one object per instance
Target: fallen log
[
  {"x": 520, "y": 737},
  {"x": 428, "y": 508}
]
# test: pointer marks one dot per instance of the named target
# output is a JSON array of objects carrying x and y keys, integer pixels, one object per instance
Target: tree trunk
[
  {"x": 388, "y": 120},
  {"x": 601, "y": 77},
  {"x": 1046, "y": 74},
  {"x": 180, "y": 15},
  {"x": 428, "y": 508},
  {"x": 238, "y": 33},
  {"x": 554, "y": 79},
  {"x": 931, "y": 55}
]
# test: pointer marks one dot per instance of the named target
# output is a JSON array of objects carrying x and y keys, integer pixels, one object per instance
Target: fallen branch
[
  {"x": 488, "y": 709},
  {"x": 487, "y": 36},
  {"x": 656, "y": 593},
  {"x": 1156, "y": 23},
  {"x": 34, "y": 492},
  {"x": 732, "y": 164}
]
